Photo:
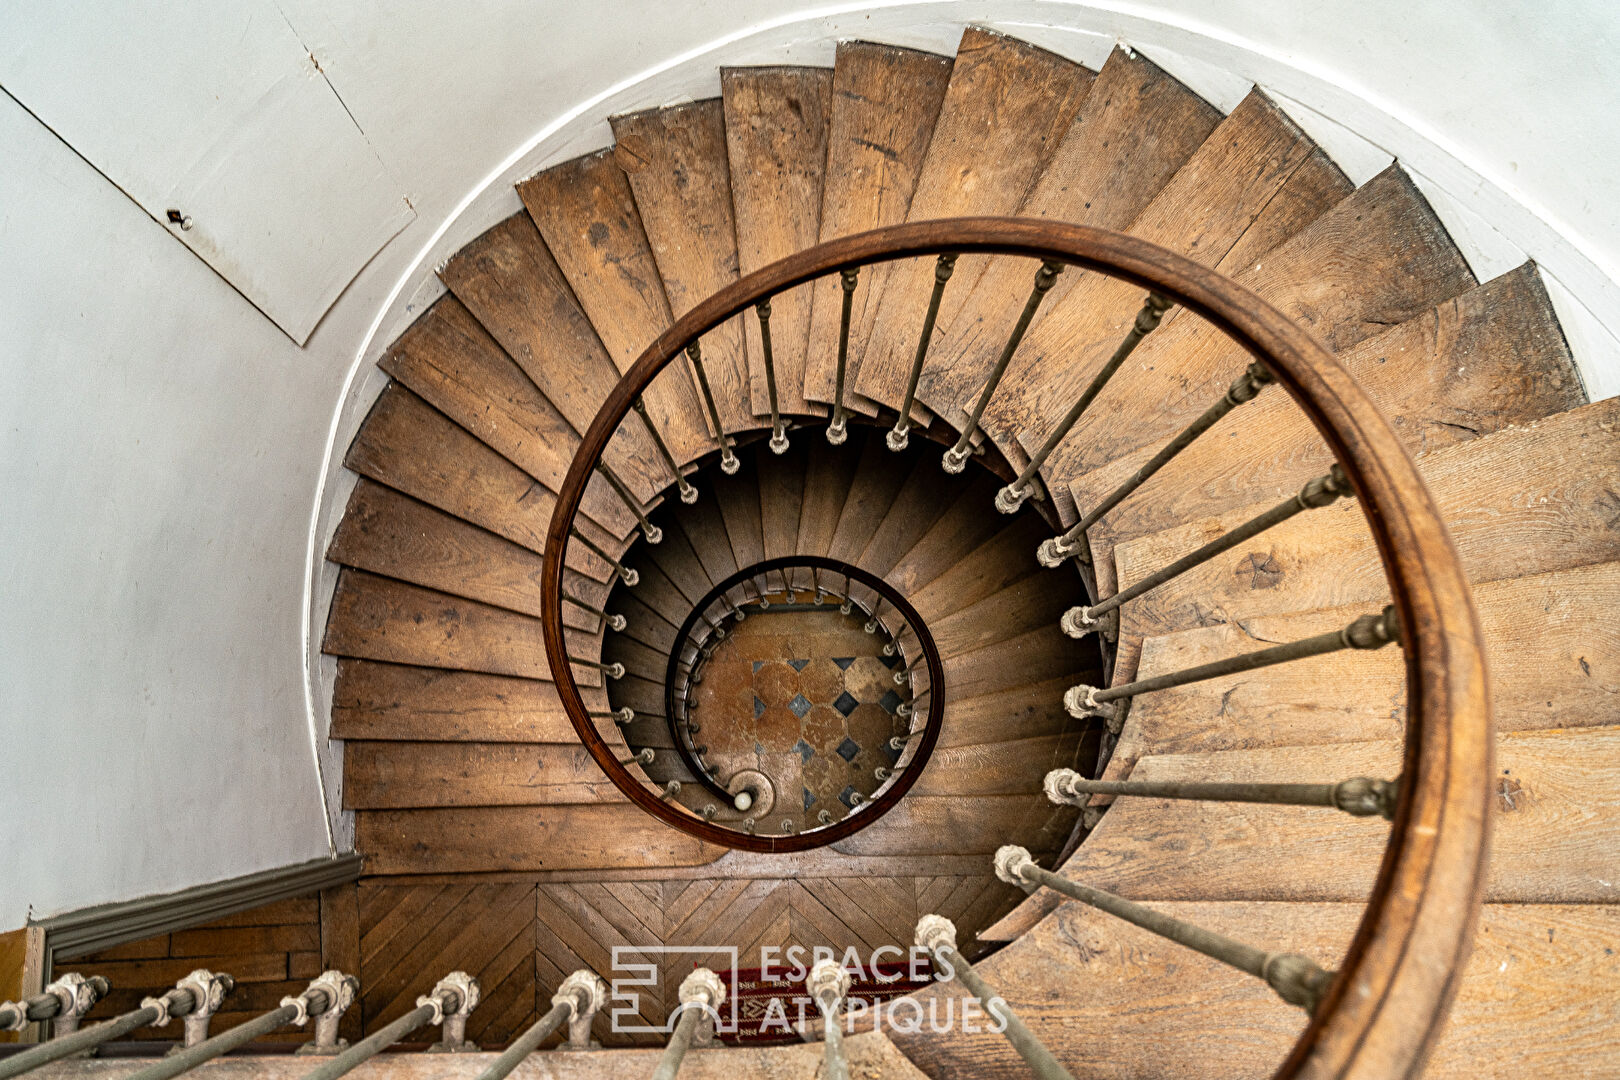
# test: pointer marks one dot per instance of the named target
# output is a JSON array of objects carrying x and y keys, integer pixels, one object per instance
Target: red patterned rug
[{"x": 770, "y": 1010}]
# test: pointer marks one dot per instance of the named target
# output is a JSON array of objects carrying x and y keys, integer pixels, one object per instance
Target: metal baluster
[
  {"x": 728, "y": 460},
  {"x": 937, "y": 935},
  {"x": 325, "y": 999},
  {"x": 653, "y": 533},
  {"x": 200, "y": 992},
  {"x": 1367, "y": 632},
  {"x": 641, "y": 757},
  {"x": 1243, "y": 389},
  {"x": 1359, "y": 796},
  {"x": 688, "y": 492},
  {"x": 837, "y": 429},
  {"x": 614, "y": 670},
  {"x": 451, "y": 999},
  {"x": 1323, "y": 491},
  {"x": 672, "y": 788},
  {"x": 872, "y": 625},
  {"x": 626, "y": 575},
  {"x": 576, "y": 1002},
  {"x": 955, "y": 459},
  {"x": 701, "y": 994},
  {"x": 614, "y": 622},
  {"x": 1011, "y": 497},
  {"x": 626, "y": 715},
  {"x": 64, "y": 1001},
  {"x": 1295, "y": 978},
  {"x": 828, "y": 984},
  {"x": 779, "y": 439},
  {"x": 901, "y": 434}
]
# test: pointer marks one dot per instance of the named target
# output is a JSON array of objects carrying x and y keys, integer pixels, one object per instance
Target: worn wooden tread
[
  {"x": 374, "y": 700},
  {"x": 397, "y": 775}
]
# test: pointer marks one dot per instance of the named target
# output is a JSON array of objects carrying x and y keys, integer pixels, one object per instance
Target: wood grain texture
[
  {"x": 1551, "y": 642},
  {"x": 378, "y": 618},
  {"x": 1005, "y": 110},
  {"x": 585, "y": 211},
  {"x": 1095, "y": 989},
  {"x": 675, "y": 159},
  {"x": 1375, "y": 260},
  {"x": 776, "y": 131},
  {"x": 1024, "y": 711},
  {"x": 1524, "y": 500},
  {"x": 404, "y": 775},
  {"x": 1488, "y": 359},
  {"x": 952, "y": 537},
  {"x": 1000, "y": 768},
  {"x": 953, "y": 825},
  {"x": 394, "y": 701},
  {"x": 340, "y": 944},
  {"x": 508, "y": 279},
  {"x": 885, "y": 101},
  {"x": 827, "y": 479},
  {"x": 452, "y": 840},
  {"x": 781, "y": 501},
  {"x": 1135, "y": 129},
  {"x": 879, "y": 479},
  {"x": 1006, "y": 557}
]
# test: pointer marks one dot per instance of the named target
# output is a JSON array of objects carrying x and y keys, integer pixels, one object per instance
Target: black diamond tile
[
  {"x": 848, "y": 748},
  {"x": 890, "y": 662},
  {"x": 797, "y": 665},
  {"x": 800, "y": 705},
  {"x": 759, "y": 707},
  {"x": 890, "y": 701},
  {"x": 845, "y": 703},
  {"x": 844, "y": 661},
  {"x": 809, "y": 798},
  {"x": 804, "y": 750},
  {"x": 846, "y": 795},
  {"x": 891, "y": 752}
]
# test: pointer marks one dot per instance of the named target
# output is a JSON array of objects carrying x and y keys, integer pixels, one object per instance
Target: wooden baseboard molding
[{"x": 78, "y": 933}]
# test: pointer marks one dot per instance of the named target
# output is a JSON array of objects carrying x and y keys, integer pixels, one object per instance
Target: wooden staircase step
[
  {"x": 675, "y": 159},
  {"x": 393, "y": 701},
  {"x": 963, "y": 526},
  {"x": 1000, "y": 768},
  {"x": 675, "y": 557},
  {"x": 1520, "y": 501},
  {"x": 1552, "y": 646},
  {"x": 1007, "y": 557},
  {"x": 638, "y": 659},
  {"x": 827, "y": 480},
  {"x": 1025, "y": 711},
  {"x": 705, "y": 530},
  {"x": 1553, "y": 837},
  {"x": 1029, "y": 657},
  {"x": 508, "y": 280},
  {"x": 657, "y": 591},
  {"x": 880, "y": 478},
  {"x": 1532, "y": 999},
  {"x": 643, "y": 623},
  {"x": 1488, "y": 359},
  {"x": 776, "y": 131},
  {"x": 1377, "y": 259},
  {"x": 404, "y": 775},
  {"x": 1005, "y": 110},
  {"x": 392, "y": 534},
  {"x": 446, "y": 840},
  {"x": 1035, "y": 601},
  {"x": 781, "y": 500},
  {"x": 962, "y": 825},
  {"x": 379, "y": 618},
  {"x": 1232, "y": 185},
  {"x": 585, "y": 211},
  {"x": 885, "y": 101},
  {"x": 738, "y": 499},
  {"x": 927, "y": 494},
  {"x": 1135, "y": 129}
]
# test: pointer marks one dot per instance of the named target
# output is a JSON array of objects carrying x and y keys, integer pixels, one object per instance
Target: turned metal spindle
[
  {"x": 779, "y": 439},
  {"x": 837, "y": 429},
  {"x": 901, "y": 432},
  {"x": 1296, "y": 979},
  {"x": 955, "y": 459},
  {"x": 688, "y": 492},
  {"x": 701, "y": 994},
  {"x": 614, "y": 670},
  {"x": 626, "y": 575},
  {"x": 623, "y": 716},
  {"x": 325, "y": 999},
  {"x": 614, "y": 622},
  {"x": 201, "y": 993},
  {"x": 448, "y": 1004},
  {"x": 65, "y": 1001},
  {"x": 824, "y": 817},
  {"x": 1011, "y": 497},
  {"x": 1360, "y": 796},
  {"x": 880, "y": 773},
  {"x": 1367, "y": 632},
  {"x": 903, "y": 676},
  {"x": 872, "y": 625},
  {"x": 728, "y": 459},
  {"x": 1243, "y": 389},
  {"x": 936, "y": 935},
  {"x": 828, "y": 985},
  {"x": 576, "y": 1002},
  {"x": 640, "y": 757},
  {"x": 672, "y": 788},
  {"x": 1322, "y": 491},
  {"x": 652, "y": 532}
]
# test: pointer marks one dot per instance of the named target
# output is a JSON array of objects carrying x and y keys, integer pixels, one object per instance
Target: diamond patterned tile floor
[{"x": 807, "y": 698}]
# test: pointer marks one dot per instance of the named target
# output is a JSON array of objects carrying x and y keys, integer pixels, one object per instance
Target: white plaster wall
[{"x": 168, "y": 459}]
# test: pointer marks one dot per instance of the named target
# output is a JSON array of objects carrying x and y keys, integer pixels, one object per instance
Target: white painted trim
[{"x": 1216, "y": 60}]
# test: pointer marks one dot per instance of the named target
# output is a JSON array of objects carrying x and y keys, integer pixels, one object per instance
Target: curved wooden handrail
[
  {"x": 1386, "y": 1006},
  {"x": 886, "y": 799}
]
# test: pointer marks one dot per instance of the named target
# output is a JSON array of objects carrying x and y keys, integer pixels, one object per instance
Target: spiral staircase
[{"x": 472, "y": 780}]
